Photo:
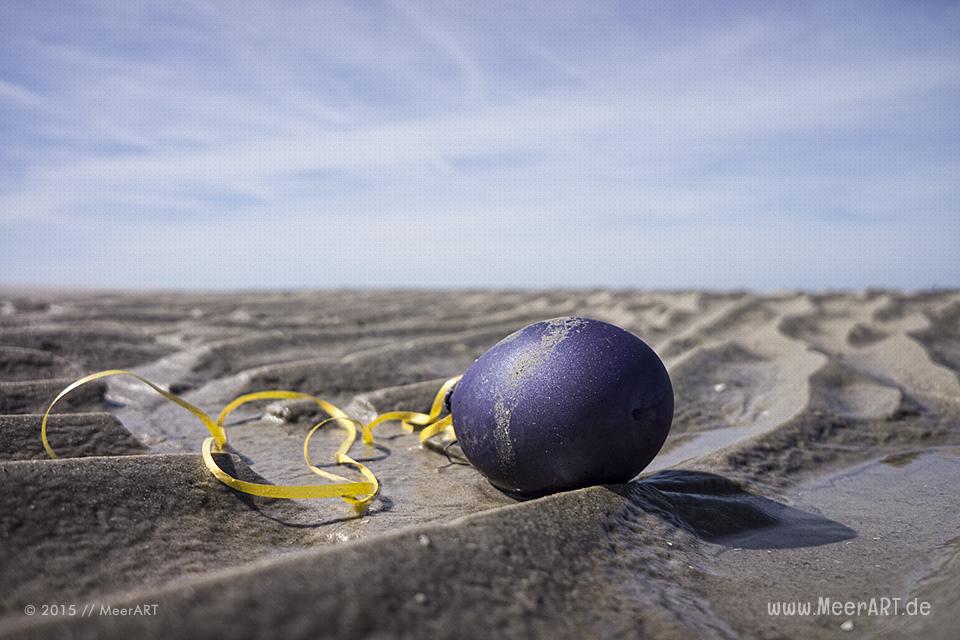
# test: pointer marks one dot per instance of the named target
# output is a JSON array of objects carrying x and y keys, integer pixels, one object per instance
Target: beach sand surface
[{"x": 814, "y": 458}]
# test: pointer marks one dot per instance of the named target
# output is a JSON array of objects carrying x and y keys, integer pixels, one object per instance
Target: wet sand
[{"x": 815, "y": 452}]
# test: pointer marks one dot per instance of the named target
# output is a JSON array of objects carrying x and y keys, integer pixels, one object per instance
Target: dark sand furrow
[
  {"x": 697, "y": 333},
  {"x": 89, "y": 348},
  {"x": 19, "y": 364},
  {"x": 71, "y": 436},
  {"x": 34, "y": 396},
  {"x": 90, "y": 525},
  {"x": 391, "y": 365},
  {"x": 844, "y": 392},
  {"x": 897, "y": 305},
  {"x": 941, "y": 338},
  {"x": 455, "y": 344},
  {"x": 414, "y": 336},
  {"x": 717, "y": 387}
]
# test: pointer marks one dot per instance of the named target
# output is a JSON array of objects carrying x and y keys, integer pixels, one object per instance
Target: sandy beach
[{"x": 814, "y": 453}]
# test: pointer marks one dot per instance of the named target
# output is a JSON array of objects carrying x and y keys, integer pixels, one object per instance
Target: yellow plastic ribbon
[
  {"x": 410, "y": 420},
  {"x": 356, "y": 493}
]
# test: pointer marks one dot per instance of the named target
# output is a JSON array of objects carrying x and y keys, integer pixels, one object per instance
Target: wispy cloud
[
  {"x": 591, "y": 122},
  {"x": 17, "y": 96}
]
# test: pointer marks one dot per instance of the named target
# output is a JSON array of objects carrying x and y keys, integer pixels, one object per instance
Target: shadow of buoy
[{"x": 720, "y": 511}]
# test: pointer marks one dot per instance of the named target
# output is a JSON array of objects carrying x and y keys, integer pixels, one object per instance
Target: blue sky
[{"x": 249, "y": 145}]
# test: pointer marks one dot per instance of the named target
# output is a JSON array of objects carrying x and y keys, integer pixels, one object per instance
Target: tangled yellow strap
[
  {"x": 357, "y": 493},
  {"x": 410, "y": 420}
]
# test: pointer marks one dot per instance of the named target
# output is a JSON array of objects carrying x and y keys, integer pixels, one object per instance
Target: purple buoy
[{"x": 561, "y": 404}]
